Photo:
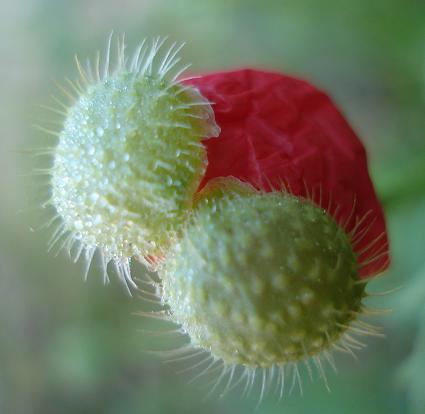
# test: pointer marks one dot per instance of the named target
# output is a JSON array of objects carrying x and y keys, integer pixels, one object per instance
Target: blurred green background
[{"x": 72, "y": 347}]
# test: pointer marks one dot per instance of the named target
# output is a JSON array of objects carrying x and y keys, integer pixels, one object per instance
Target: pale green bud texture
[
  {"x": 128, "y": 162},
  {"x": 262, "y": 279}
]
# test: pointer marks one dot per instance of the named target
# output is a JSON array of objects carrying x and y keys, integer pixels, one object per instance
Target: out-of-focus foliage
[{"x": 72, "y": 347}]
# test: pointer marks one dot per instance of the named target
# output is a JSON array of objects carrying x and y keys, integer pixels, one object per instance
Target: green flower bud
[
  {"x": 262, "y": 280},
  {"x": 129, "y": 157}
]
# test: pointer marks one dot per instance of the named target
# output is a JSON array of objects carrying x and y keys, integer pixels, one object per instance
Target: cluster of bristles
[
  {"x": 128, "y": 159},
  {"x": 247, "y": 325},
  {"x": 257, "y": 281}
]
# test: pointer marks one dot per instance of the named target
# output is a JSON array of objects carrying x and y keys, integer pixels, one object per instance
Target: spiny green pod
[
  {"x": 129, "y": 157},
  {"x": 263, "y": 281}
]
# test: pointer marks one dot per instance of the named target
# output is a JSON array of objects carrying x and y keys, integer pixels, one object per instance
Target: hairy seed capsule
[
  {"x": 262, "y": 279},
  {"x": 130, "y": 158}
]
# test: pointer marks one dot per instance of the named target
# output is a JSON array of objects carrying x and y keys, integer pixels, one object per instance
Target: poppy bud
[
  {"x": 263, "y": 280},
  {"x": 287, "y": 223},
  {"x": 129, "y": 157}
]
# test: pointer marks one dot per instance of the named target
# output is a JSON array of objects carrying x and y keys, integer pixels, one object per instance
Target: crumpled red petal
[{"x": 278, "y": 130}]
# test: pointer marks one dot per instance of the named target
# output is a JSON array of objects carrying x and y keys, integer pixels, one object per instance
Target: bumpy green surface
[
  {"x": 128, "y": 162},
  {"x": 262, "y": 279}
]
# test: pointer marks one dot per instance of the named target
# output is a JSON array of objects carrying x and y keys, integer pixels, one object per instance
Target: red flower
[{"x": 278, "y": 129}]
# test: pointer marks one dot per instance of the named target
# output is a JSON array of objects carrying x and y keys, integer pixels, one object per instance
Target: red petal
[{"x": 276, "y": 128}]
